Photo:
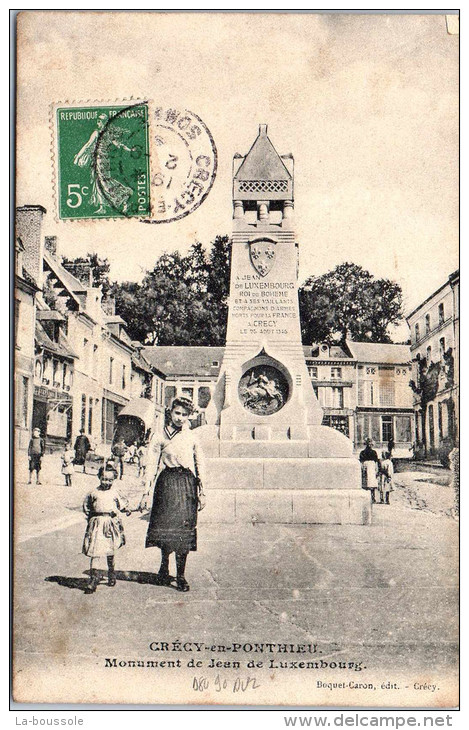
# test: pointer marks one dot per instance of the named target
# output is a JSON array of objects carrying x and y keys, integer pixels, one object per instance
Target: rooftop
[
  {"x": 380, "y": 353},
  {"x": 176, "y": 360}
]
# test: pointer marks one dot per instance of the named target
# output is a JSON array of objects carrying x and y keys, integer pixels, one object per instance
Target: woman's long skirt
[{"x": 173, "y": 518}]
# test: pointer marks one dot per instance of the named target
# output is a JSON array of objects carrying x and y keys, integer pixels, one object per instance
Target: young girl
[
  {"x": 175, "y": 458},
  {"x": 386, "y": 477},
  {"x": 105, "y": 532},
  {"x": 68, "y": 469}
]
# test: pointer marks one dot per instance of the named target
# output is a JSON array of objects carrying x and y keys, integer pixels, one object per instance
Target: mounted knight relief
[
  {"x": 262, "y": 255},
  {"x": 263, "y": 390}
]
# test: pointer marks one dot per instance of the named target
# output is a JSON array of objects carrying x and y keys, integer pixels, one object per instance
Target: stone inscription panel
[{"x": 263, "y": 308}]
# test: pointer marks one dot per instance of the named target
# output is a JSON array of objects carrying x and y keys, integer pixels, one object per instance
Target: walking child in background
[
  {"x": 386, "y": 477},
  {"x": 36, "y": 450},
  {"x": 105, "y": 532},
  {"x": 119, "y": 450},
  {"x": 68, "y": 469},
  {"x": 142, "y": 459}
]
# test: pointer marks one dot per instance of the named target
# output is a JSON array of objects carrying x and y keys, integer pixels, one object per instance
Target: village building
[
  {"x": 434, "y": 327},
  {"x": 363, "y": 388},
  {"x": 28, "y": 252}
]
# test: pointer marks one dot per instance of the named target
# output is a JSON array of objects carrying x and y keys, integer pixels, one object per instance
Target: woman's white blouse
[{"x": 183, "y": 449}]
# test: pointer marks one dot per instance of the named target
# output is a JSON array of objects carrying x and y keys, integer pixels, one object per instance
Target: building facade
[
  {"x": 363, "y": 388},
  {"x": 434, "y": 327}
]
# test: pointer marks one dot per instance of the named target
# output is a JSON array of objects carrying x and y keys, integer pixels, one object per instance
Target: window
[
  {"x": 440, "y": 421},
  {"x": 417, "y": 332},
  {"x": 17, "y": 319},
  {"x": 441, "y": 313},
  {"x": 429, "y": 355},
  {"x": 372, "y": 394},
  {"x": 387, "y": 393},
  {"x": 215, "y": 363},
  {"x": 337, "y": 397},
  {"x": 123, "y": 377},
  {"x": 83, "y": 411},
  {"x": 313, "y": 372},
  {"x": 431, "y": 427},
  {"x": 169, "y": 395},
  {"x": 188, "y": 393},
  {"x": 64, "y": 379},
  {"x": 340, "y": 423},
  {"x": 111, "y": 364},
  {"x": 204, "y": 397},
  {"x": 24, "y": 401},
  {"x": 55, "y": 367},
  {"x": 90, "y": 415},
  {"x": 336, "y": 373},
  {"x": 442, "y": 347},
  {"x": 387, "y": 431},
  {"x": 427, "y": 324},
  {"x": 361, "y": 393}
]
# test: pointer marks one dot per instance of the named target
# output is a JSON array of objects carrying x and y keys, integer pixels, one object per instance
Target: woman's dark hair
[
  {"x": 185, "y": 403},
  {"x": 107, "y": 467}
]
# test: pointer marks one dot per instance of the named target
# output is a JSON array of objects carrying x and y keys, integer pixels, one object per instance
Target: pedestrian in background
[
  {"x": 105, "y": 531},
  {"x": 36, "y": 451},
  {"x": 386, "y": 477},
  {"x": 68, "y": 458},
  {"x": 119, "y": 450},
  {"x": 82, "y": 446},
  {"x": 142, "y": 459},
  {"x": 369, "y": 461}
]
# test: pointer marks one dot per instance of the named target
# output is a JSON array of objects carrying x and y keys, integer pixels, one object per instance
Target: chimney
[
  {"x": 50, "y": 244},
  {"x": 81, "y": 270},
  {"x": 109, "y": 306},
  {"x": 28, "y": 229}
]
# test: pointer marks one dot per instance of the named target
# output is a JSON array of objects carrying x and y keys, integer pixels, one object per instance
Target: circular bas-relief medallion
[{"x": 263, "y": 390}]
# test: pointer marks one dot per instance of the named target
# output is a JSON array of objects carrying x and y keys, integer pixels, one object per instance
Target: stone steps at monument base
[
  {"x": 280, "y": 474},
  {"x": 318, "y": 507}
]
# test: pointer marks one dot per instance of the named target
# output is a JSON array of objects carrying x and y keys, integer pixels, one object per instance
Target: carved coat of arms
[{"x": 262, "y": 255}]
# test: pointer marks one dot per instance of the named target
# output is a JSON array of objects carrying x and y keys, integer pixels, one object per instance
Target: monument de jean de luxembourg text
[{"x": 269, "y": 459}]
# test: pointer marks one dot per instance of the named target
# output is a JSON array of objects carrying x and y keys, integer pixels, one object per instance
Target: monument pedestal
[
  {"x": 269, "y": 459},
  {"x": 314, "y": 481}
]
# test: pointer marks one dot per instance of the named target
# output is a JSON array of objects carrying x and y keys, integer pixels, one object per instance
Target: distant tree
[
  {"x": 182, "y": 300},
  {"x": 349, "y": 302}
]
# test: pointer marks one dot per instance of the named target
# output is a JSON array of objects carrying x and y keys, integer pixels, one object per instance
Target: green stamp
[{"x": 103, "y": 161}]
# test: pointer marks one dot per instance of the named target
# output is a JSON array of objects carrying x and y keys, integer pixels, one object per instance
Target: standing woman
[{"x": 176, "y": 459}]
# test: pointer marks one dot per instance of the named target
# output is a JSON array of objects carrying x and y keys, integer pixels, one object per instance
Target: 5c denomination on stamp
[{"x": 103, "y": 161}]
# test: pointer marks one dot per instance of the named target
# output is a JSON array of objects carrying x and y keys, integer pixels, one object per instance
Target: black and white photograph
[{"x": 236, "y": 359}]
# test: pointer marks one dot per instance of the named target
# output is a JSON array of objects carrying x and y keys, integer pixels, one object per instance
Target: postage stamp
[
  {"x": 131, "y": 160},
  {"x": 103, "y": 161}
]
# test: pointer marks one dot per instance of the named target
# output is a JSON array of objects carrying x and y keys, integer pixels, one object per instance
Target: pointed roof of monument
[{"x": 262, "y": 162}]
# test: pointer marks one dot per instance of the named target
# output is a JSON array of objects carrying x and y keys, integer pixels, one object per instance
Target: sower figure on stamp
[{"x": 175, "y": 460}]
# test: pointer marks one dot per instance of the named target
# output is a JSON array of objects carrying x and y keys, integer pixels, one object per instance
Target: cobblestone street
[{"x": 358, "y": 593}]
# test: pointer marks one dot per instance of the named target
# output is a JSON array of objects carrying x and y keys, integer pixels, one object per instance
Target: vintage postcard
[{"x": 236, "y": 359}]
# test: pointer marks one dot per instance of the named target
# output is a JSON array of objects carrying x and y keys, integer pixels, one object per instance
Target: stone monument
[{"x": 269, "y": 457}]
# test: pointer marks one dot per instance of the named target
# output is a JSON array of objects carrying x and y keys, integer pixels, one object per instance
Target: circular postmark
[
  {"x": 183, "y": 162},
  {"x": 263, "y": 390}
]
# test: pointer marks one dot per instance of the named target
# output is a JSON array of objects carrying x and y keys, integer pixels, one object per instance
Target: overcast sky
[{"x": 367, "y": 105}]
